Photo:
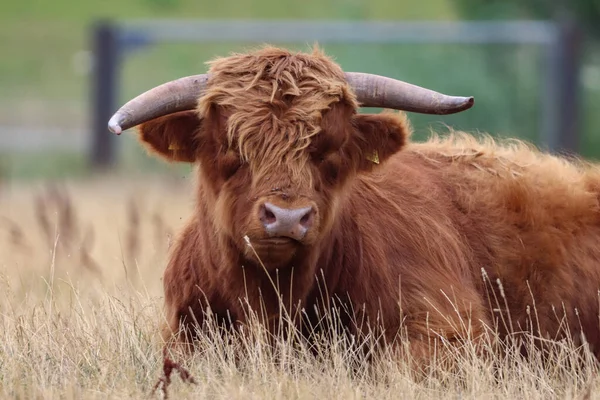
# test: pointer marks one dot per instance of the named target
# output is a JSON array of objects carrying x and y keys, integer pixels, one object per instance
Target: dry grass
[{"x": 80, "y": 301}]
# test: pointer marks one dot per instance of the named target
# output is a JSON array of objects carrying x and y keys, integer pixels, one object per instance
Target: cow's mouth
[
  {"x": 278, "y": 241},
  {"x": 274, "y": 251},
  {"x": 276, "y": 245}
]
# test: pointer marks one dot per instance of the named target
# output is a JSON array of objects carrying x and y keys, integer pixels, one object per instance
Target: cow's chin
[{"x": 273, "y": 252}]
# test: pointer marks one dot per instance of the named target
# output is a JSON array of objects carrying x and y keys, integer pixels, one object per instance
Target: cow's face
[{"x": 274, "y": 158}]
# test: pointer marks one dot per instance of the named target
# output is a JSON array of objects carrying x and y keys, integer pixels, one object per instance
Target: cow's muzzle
[{"x": 293, "y": 223}]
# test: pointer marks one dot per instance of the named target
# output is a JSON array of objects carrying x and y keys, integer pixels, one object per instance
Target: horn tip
[
  {"x": 457, "y": 105},
  {"x": 114, "y": 126},
  {"x": 467, "y": 102}
]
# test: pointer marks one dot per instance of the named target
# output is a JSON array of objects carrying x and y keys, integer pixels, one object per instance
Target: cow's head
[{"x": 277, "y": 137}]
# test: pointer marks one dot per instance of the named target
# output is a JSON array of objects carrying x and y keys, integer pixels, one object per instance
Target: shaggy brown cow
[{"x": 409, "y": 234}]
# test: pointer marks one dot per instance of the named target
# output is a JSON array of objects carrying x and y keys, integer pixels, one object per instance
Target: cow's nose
[{"x": 292, "y": 223}]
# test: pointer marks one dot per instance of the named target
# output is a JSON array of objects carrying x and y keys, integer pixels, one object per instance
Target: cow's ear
[
  {"x": 377, "y": 137},
  {"x": 174, "y": 137}
]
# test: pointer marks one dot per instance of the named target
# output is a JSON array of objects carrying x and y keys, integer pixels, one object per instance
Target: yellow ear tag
[
  {"x": 173, "y": 146},
  {"x": 374, "y": 157}
]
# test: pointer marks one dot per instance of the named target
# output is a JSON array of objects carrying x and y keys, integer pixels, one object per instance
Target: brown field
[{"x": 81, "y": 297}]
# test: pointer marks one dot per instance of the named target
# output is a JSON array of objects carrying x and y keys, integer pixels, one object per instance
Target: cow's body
[
  {"x": 444, "y": 237},
  {"x": 419, "y": 233}
]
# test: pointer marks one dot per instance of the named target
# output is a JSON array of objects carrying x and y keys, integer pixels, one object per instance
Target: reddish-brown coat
[{"x": 408, "y": 238}]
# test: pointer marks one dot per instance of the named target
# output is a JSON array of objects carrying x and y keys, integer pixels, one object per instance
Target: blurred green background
[{"x": 45, "y": 63}]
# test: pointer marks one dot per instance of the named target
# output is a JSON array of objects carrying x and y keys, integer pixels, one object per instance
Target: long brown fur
[
  {"x": 444, "y": 238},
  {"x": 274, "y": 103}
]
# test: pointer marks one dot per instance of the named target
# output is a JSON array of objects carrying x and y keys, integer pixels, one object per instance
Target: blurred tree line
[
  {"x": 580, "y": 54},
  {"x": 584, "y": 12}
]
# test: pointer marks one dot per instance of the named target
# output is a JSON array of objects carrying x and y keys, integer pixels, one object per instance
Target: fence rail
[{"x": 536, "y": 32}]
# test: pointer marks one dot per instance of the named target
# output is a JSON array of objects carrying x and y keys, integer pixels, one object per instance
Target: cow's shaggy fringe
[
  {"x": 241, "y": 82},
  {"x": 68, "y": 332}
]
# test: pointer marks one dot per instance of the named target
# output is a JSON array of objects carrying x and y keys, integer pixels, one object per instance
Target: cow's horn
[
  {"x": 371, "y": 90},
  {"x": 380, "y": 91},
  {"x": 178, "y": 95}
]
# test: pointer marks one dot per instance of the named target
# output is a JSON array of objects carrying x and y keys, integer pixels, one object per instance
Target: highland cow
[{"x": 296, "y": 186}]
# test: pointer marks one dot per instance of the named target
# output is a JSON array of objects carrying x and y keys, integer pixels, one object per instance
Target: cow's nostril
[
  {"x": 269, "y": 216},
  {"x": 266, "y": 216},
  {"x": 306, "y": 220}
]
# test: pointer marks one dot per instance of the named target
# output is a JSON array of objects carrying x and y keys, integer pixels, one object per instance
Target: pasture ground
[{"x": 81, "y": 297}]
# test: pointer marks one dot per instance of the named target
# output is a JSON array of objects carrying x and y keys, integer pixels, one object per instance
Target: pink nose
[{"x": 292, "y": 223}]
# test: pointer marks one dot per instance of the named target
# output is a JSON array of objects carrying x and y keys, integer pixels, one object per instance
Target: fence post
[
  {"x": 104, "y": 86},
  {"x": 569, "y": 52}
]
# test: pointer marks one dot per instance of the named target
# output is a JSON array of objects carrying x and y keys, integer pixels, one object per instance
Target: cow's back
[
  {"x": 530, "y": 220},
  {"x": 441, "y": 213}
]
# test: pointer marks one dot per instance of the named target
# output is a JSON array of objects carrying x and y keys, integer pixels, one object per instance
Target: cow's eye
[
  {"x": 318, "y": 155},
  {"x": 229, "y": 164},
  {"x": 330, "y": 168}
]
